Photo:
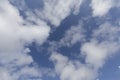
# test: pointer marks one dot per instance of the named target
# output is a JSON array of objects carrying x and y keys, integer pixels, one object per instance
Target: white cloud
[
  {"x": 14, "y": 36},
  {"x": 55, "y": 11},
  {"x": 104, "y": 43},
  {"x": 73, "y": 35},
  {"x": 95, "y": 55},
  {"x": 59, "y": 60},
  {"x": 14, "y": 57},
  {"x": 71, "y": 70},
  {"x": 101, "y": 7}
]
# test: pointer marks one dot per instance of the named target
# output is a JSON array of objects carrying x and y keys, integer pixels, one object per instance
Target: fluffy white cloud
[
  {"x": 95, "y": 55},
  {"x": 71, "y": 70},
  {"x": 55, "y": 11},
  {"x": 101, "y": 7},
  {"x": 14, "y": 36}
]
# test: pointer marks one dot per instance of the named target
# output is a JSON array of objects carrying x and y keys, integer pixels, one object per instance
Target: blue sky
[{"x": 59, "y": 40}]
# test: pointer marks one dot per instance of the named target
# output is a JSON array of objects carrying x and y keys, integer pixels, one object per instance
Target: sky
[{"x": 59, "y": 39}]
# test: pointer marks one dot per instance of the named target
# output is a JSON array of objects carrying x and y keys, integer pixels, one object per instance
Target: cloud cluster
[
  {"x": 15, "y": 34},
  {"x": 55, "y": 11},
  {"x": 104, "y": 43},
  {"x": 71, "y": 70},
  {"x": 52, "y": 11},
  {"x": 101, "y": 7}
]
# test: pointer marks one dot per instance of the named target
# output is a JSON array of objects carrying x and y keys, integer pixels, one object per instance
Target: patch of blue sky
[
  {"x": 110, "y": 70},
  {"x": 35, "y": 4}
]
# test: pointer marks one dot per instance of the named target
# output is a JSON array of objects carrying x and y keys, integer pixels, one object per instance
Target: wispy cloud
[{"x": 55, "y": 11}]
